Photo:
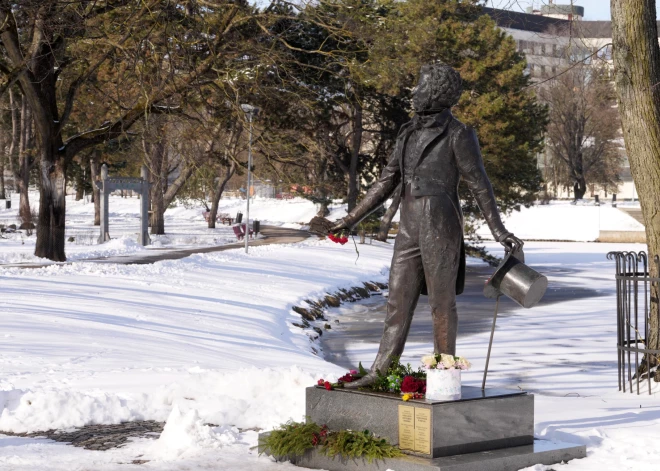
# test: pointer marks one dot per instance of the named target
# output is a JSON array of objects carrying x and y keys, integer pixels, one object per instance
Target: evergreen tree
[{"x": 497, "y": 98}]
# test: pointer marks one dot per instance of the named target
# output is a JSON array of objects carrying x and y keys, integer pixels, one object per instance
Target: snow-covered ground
[
  {"x": 561, "y": 220},
  {"x": 185, "y": 226},
  {"x": 208, "y": 339}
]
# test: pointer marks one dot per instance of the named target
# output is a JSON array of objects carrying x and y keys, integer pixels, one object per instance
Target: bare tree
[
  {"x": 583, "y": 127},
  {"x": 53, "y": 48},
  {"x": 637, "y": 74}
]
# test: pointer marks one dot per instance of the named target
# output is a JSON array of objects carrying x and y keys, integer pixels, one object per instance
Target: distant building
[{"x": 553, "y": 36}]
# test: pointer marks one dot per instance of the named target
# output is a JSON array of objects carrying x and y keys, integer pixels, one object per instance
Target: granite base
[
  {"x": 491, "y": 430},
  {"x": 479, "y": 421},
  {"x": 507, "y": 459}
]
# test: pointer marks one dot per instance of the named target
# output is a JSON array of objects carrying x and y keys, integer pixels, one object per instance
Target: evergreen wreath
[{"x": 293, "y": 439}]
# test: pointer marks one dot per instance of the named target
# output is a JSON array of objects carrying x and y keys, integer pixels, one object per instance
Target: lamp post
[{"x": 251, "y": 112}]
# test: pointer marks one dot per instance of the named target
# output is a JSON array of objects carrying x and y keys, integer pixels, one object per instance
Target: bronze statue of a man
[{"x": 432, "y": 153}]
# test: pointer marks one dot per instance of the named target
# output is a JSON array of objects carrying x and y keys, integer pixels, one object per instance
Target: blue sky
[{"x": 593, "y": 9}]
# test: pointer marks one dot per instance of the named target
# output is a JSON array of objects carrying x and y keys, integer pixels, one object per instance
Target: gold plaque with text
[
  {"x": 407, "y": 427},
  {"x": 423, "y": 430}
]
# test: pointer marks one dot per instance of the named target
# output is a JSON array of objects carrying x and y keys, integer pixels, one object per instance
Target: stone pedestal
[
  {"x": 489, "y": 430},
  {"x": 479, "y": 421}
]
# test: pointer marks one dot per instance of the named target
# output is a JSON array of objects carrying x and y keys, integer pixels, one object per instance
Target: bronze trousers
[{"x": 427, "y": 248}]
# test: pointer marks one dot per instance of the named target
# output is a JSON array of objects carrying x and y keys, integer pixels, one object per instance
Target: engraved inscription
[
  {"x": 423, "y": 430},
  {"x": 406, "y": 427}
]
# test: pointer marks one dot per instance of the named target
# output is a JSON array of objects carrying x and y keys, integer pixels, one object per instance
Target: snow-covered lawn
[
  {"x": 561, "y": 220},
  {"x": 185, "y": 226},
  {"x": 208, "y": 339}
]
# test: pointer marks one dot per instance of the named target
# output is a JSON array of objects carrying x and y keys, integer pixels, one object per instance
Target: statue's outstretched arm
[{"x": 376, "y": 196}]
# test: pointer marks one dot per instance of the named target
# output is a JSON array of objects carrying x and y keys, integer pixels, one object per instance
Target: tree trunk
[
  {"x": 79, "y": 187},
  {"x": 157, "y": 160},
  {"x": 579, "y": 188},
  {"x": 637, "y": 75},
  {"x": 386, "y": 221},
  {"x": 94, "y": 169},
  {"x": 173, "y": 189},
  {"x": 356, "y": 144},
  {"x": 15, "y": 129},
  {"x": 323, "y": 208},
  {"x": 218, "y": 194},
  {"x": 52, "y": 207},
  {"x": 24, "y": 164},
  {"x": 3, "y": 160}
]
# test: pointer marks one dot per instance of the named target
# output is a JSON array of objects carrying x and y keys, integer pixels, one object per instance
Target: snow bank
[
  {"x": 102, "y": 343},
  {"x": 187, "y": 434},
  {"x": 50, "y": 408}
]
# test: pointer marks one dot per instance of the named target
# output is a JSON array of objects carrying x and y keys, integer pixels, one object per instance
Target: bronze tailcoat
[{"x": 429, "y": 248}]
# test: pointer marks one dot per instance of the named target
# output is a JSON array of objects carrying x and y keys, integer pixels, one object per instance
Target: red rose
[
  {"x": 328, "y": 385},
  {"x": 320, "y": 382},
  {"x": 409, "y": 385},
  {"x": 347, "y": 378}
]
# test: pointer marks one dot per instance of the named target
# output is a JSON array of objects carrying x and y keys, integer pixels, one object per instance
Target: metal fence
[{"x": 634, "y": 286}]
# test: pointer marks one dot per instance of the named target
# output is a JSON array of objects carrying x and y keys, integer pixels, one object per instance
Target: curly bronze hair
[{"x": 446, "y": 84}]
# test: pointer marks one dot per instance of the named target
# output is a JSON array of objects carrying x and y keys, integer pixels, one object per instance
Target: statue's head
[{"x": 439, "y": 87}]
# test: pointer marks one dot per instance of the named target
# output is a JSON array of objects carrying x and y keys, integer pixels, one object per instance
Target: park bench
[
  {"x": 224, "y": 218},
  {"x": 239, "y": 231}
]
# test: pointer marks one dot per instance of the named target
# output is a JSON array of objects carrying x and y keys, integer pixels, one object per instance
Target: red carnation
[
  {"x": 321, "y": 382},
  {"x": 328, "y": 385}
]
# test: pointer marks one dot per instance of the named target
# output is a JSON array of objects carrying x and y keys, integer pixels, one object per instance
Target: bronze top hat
[{"x": 517, "y": 281}]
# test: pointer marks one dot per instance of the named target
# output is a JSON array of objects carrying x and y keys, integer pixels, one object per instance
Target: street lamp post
[{"x": 251, "y": 112}]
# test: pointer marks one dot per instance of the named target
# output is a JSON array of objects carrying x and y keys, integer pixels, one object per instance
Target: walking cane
[
  {"x": 490, "y": 344},
  {"x": 517, "y": 281}
]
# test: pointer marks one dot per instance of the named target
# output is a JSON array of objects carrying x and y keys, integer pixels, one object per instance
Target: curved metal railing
[{"x": 634, "y": 288}]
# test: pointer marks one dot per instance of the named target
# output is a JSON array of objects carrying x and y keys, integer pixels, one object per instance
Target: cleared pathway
[
  {"x": 362, "y": 322},
  {"x": 635, "y": 213},
  {"x": 271, "y": 235}
]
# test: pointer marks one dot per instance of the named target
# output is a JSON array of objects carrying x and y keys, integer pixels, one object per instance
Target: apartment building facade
[{"x": 552, "y": 37}]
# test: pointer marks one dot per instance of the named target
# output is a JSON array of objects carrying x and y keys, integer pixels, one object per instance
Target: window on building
[
  {"x": 543, "y": 49},
  {"x": 542, "y": 71}
]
